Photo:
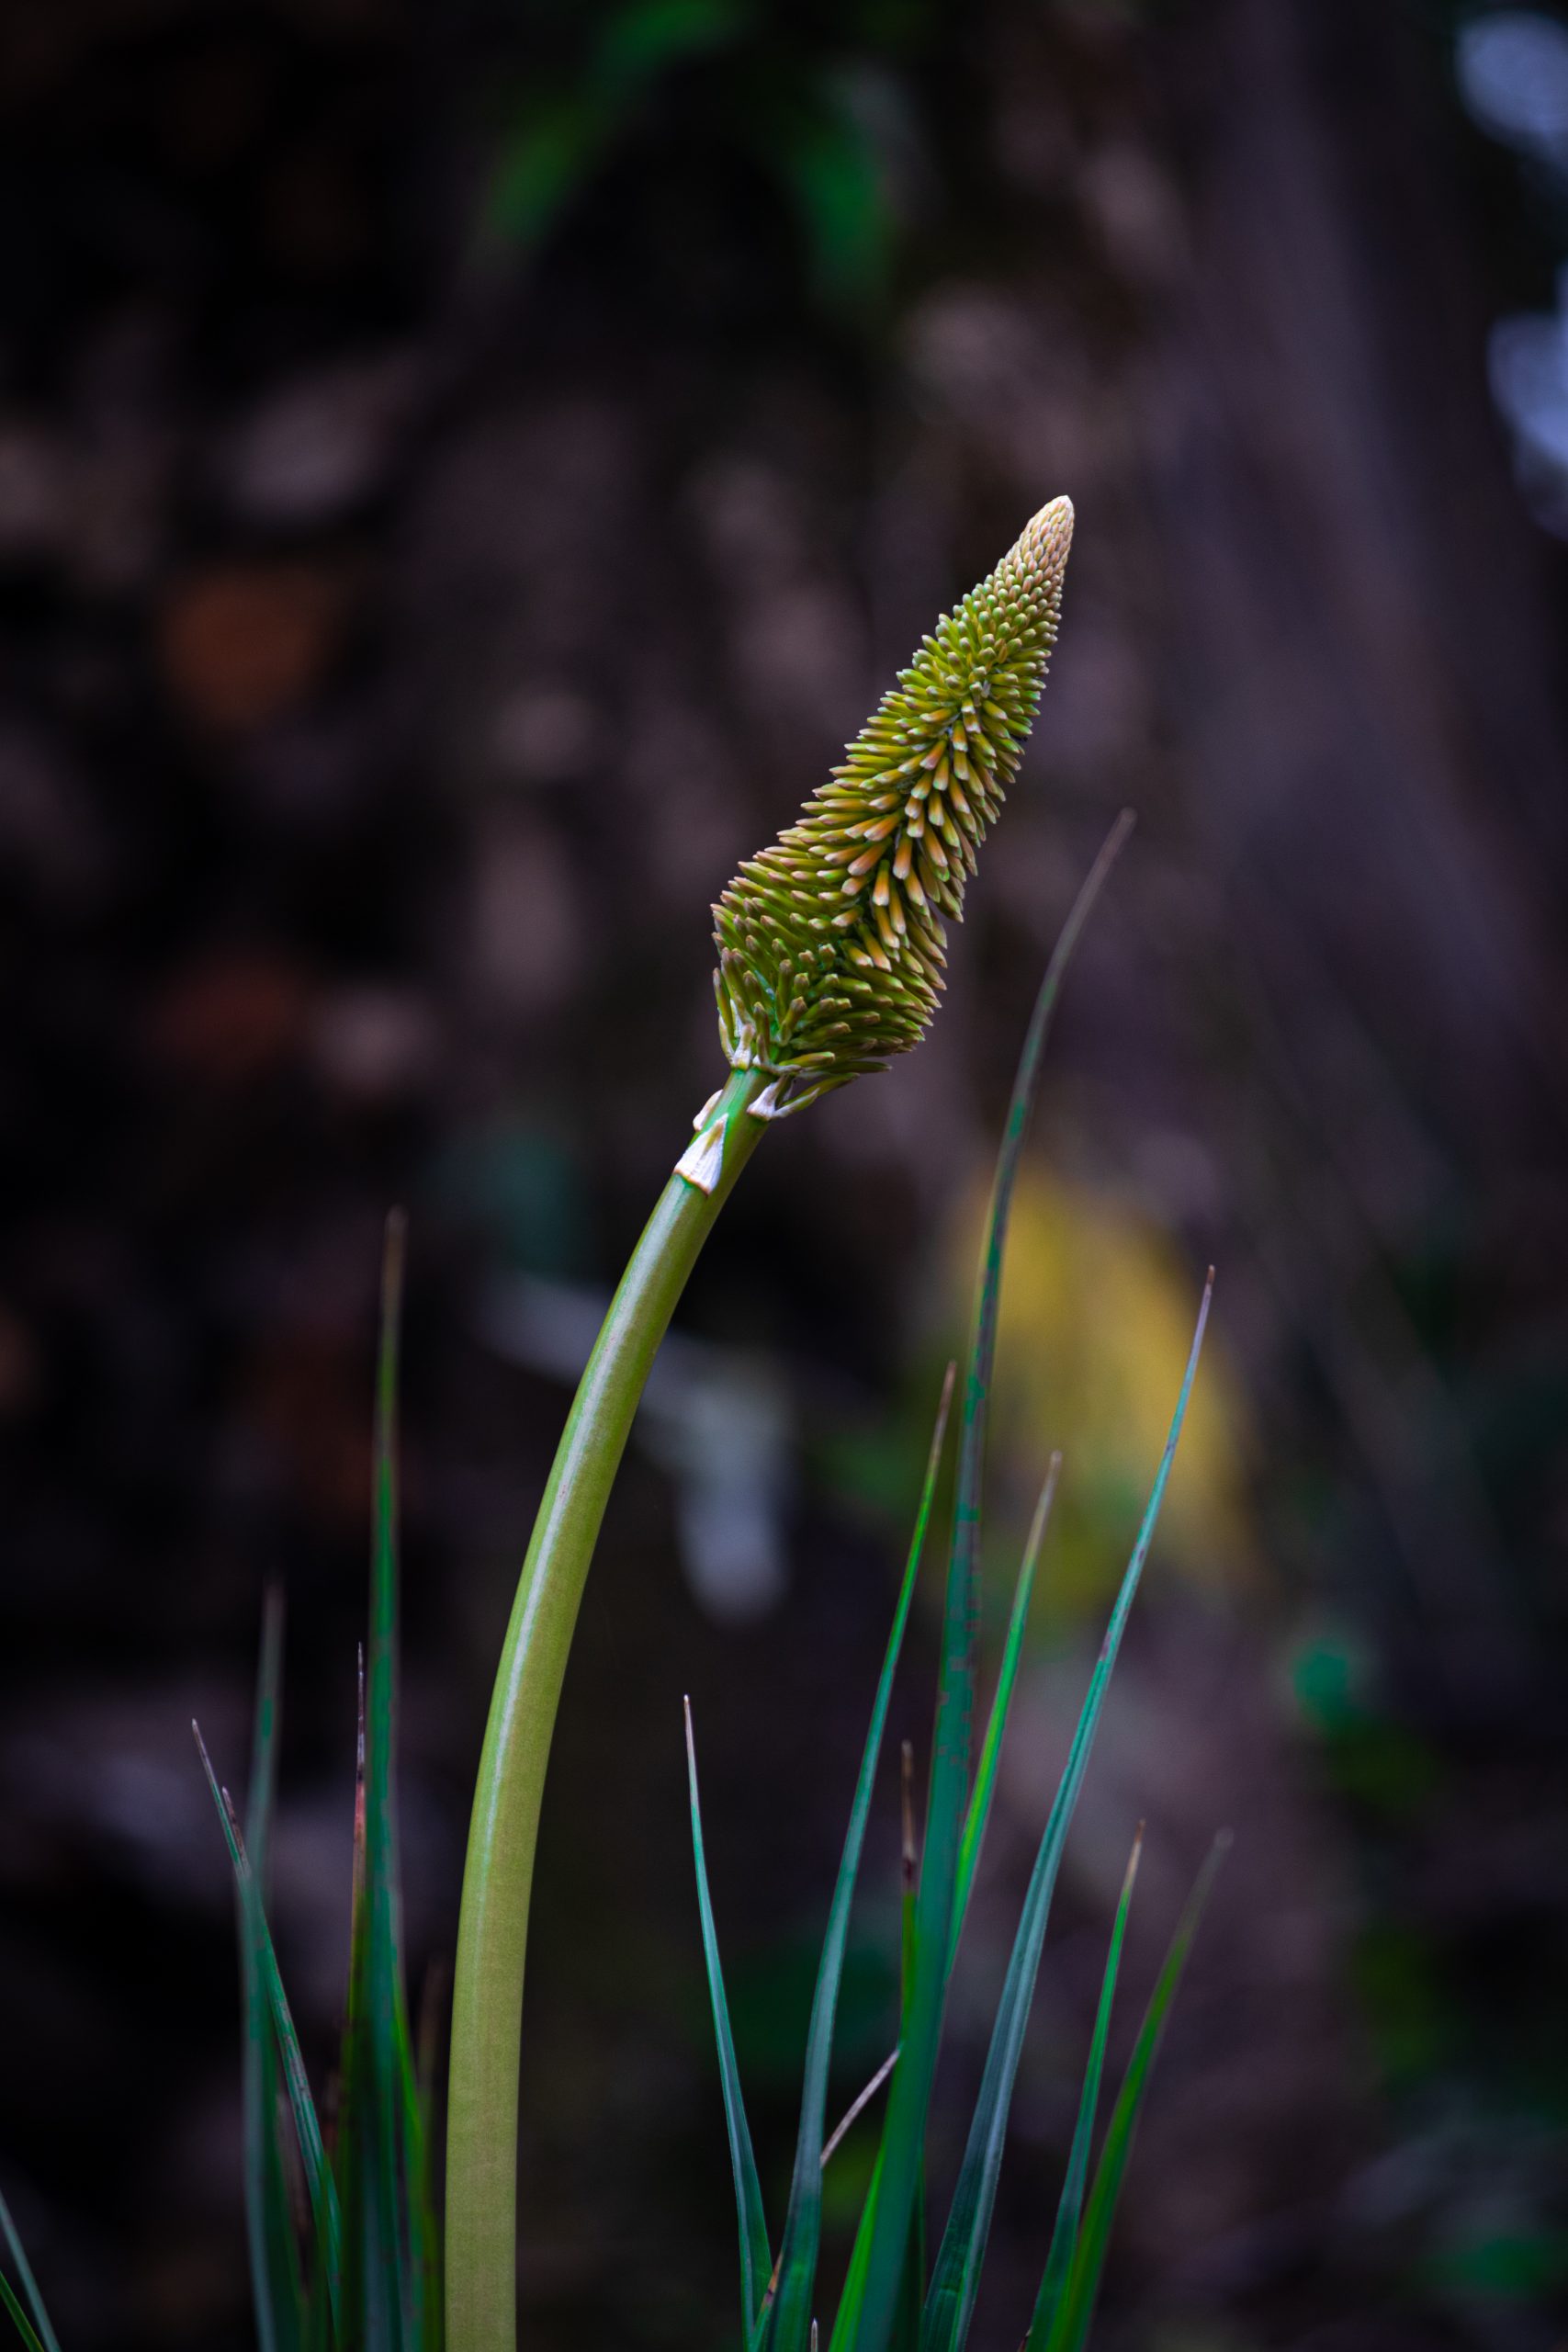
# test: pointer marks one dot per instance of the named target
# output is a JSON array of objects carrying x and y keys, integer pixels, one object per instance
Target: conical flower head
[{"x": 832, "y": 944}]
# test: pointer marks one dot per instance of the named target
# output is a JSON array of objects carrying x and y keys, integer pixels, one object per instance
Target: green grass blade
[
  {"x": 1069, "y": 2210},
  {"x": 907, "y": 2313},
  {"x": 955, "y": 2280},
  {"x": 349, "y": 2154},
  {"x": 18, "y": 2317},
  {"x": 1070, "y": 2323},
  {"x": 385, "y": 2009},
  {"x": 264, "y": 1741},
  {"x": 907, "y": 2318},
  {"x": 979, "y": 1811},
  {"x": 38, "y": 2328},
  {"x": 904, "y": 2129},
  {"x": 852, "y": 2294},
  {"x": 427, "y": 2300},
  {"x": 909, "y": 1863},
  {"x": 275, "y": 2249},
  {"x": 405, "y": 2152},
  {"x": 906, "y": 2335},
  {"x": 786, "y": 2323},
  {"x": 386, "y": 2282},
  {"x": 320, "y": 2188},
  {"x": 756, "y": 2255}
]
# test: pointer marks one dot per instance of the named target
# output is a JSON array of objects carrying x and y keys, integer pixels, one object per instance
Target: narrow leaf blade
[
  {"x": 386, "y": 2265},
  {"x": 18, "y": 2317},
  {"x": 904, "y": 2129},
  {"x": 905, "y": 2329},
  {"x": 1071, "y": 2326},
  {"x": 320, "y": 2188},
  {"x": 275, "y": 2251},
  {"x": 980, "y": 1812},
  {"x": 1063, "y": 2236},
  {"x": 40, "y": 2322},
  {"x": 787, "y": 2320},
  {"x": 756, "y": 2255},
  {"x": 955, "y": 2280}
]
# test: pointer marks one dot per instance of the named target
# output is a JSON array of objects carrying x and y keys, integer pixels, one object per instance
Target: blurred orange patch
[
  {"x": 230, "y": 1017},
  {"x": 244, "y": 644}
]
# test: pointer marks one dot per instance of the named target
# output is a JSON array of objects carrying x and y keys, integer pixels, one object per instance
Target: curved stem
[{"x": 487, "y": 1996}]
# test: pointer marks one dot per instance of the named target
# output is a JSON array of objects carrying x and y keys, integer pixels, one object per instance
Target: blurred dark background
[{"x": 464, "y": 471}]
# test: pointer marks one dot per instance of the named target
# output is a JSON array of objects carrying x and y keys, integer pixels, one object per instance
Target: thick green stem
[{"x": 487, "y": 2005}]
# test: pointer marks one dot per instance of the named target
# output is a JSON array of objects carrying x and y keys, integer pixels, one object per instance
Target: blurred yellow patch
[{"x": 1097, "y": 1314}]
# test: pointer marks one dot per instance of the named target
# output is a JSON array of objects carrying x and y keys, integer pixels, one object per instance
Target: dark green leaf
[
  {"x": 787, "y": 2321},
  {"x": 906, "y": 2324},
  {"x": 320, "y": 2188},
  {"x": 955, "y": 2280},
  {"x": 275, "y": 2251},
  {"x": 906, "y": 2321},
  {"x": 390, "y": 2292},
  {"x": 18, "y": 2317},
  {"x": 904, "y": 2128},
  {"x": 979, "y": 1811},
  {"x": 756, "y": 2255},
  {"x": 39, "y": 2328},
  {"x": 1070, "y": 2322},
  {"x": 1064, "y": 2237}
]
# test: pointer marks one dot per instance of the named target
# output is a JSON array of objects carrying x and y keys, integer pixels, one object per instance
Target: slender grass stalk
[
  {"x": 41, "y": 2335},
  {"x": 277, "y": 2285},
  {"x": 830, "y": 952},
  {"x": 1069, "y": 2210},
  {"x": 788, "y": 2325},
  {"x": 1063, "y": 2327},
  {"x": 756, "y": 2251}
]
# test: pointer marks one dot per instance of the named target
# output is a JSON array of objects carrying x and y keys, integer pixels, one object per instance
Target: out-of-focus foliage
[{"x": 813, "y": 101}]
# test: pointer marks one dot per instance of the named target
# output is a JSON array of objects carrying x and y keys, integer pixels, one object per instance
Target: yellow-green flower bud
[{"x": 832, "y": 944}]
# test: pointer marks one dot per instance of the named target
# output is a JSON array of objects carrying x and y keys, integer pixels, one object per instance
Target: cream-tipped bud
[{"x": 988, "y": 655}]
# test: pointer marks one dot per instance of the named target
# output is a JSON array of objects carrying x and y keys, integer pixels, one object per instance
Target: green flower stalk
[{"x": 831, "y": 946}]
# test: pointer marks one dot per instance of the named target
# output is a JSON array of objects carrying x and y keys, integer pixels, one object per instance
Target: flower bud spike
[{"x": 911, "y": 801}]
